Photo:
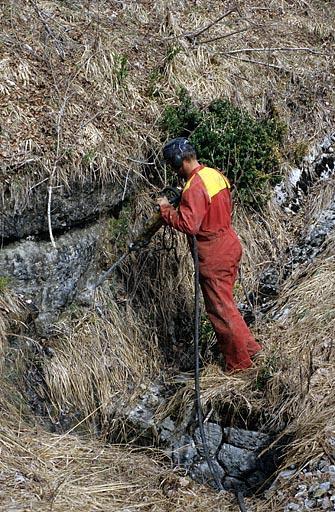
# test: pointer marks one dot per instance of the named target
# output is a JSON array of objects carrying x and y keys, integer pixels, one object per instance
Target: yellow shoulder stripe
[{"x": 213, "y": 180}]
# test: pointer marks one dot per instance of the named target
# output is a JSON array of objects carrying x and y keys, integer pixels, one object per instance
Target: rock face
[
  {"x": 201, "y": 473},
  {"x": 319, "y": 165},
  {"x": 289, "y": 195},
  {"x": 26, "y": 215},
  {"x": 213, "y": 436},
  {"x": 246, "y": 438},
  {"x": 49, "y": 278},
  {"x": 237, "y": 461},
  {"x": 234, "y": 454}
]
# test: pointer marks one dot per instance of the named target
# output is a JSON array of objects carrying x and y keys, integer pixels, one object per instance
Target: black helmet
[{"x": 175, "y": 150}]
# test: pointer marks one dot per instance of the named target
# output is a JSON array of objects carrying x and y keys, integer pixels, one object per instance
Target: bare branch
[
  {"x": 202, "y": 30},
  {"x": 260, "y": 63},
  {"x": 52, "y": 240},
  {"x": 280, "y": 49},
  {"x": 223, "y": 36},
  {"x": 53, "y": 172}
]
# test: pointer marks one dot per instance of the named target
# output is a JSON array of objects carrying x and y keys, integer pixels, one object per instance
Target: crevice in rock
[
  {"x": 312, "y": 242},
  {"x": 77, "y": 207}
]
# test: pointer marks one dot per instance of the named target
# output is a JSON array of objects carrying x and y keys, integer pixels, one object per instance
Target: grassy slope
[{"x": 84, "y": 84}]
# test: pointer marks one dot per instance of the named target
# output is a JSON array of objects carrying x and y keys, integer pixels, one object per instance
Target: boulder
[
  {"x": 235, "y": 485},
  {"x": 237, "y": 462},
  {"x": 201, "y": 473},
  {"x": 248, "y": 439},
  {"x": 213, "y": 436}
]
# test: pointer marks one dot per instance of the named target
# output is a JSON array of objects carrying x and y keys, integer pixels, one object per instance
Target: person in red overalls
[{"x": 205, "y": 211}]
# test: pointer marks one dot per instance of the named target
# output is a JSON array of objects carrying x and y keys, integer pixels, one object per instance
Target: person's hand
[{"x": 162, "y": 201}]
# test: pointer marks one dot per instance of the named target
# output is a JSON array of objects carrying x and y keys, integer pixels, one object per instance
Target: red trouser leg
[{"x": 233, "y": 335}]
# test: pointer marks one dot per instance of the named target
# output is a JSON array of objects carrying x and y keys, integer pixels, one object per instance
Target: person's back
[{"x": 217, "y": 217}]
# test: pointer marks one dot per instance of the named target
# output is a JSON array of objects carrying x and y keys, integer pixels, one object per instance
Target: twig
[
  {"x": 260, "y": 63},
  {"x": 38, "y": 184},
  {"x": 50, "y": 32},
  {"x": 279, "y": 49},
  {"x": 52, "y": 240},
  {"x": 202, "y": 30},
  {"x": 125, "y": 186},
  {"x": 222, "y": 36}
]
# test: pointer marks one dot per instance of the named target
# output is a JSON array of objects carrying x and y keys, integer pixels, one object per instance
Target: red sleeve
[{"x": 192, "y": 209}]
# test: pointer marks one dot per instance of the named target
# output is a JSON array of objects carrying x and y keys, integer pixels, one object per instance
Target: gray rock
[
  {"x": 141, "y": 417},
  {"x": 213, "y": 436},
  {"x": 237, "y": 461},
  {"x": 325, "y": 485},
  {"x": 256, "y": 479},
  {"x": 269, "y": 282},
  {"x": 184, "y": 452},
  {"x": 322, "y": 489},
  {"x": 292, "y": 506},
  {"x": 302, "y": 491},
  {"x": 49, "y": 277},
  {"x": 288, "y": 473},
  {"x": 202, "y": 474},
  {"x": 326, "y": 504},
  {"x": 166, "y": 429},
  {"x": 234, "y": 484},
  {"x": 250, "y": 440},
  {"x": 23, "y": 216},
  {"x": 310, "y": 504}
]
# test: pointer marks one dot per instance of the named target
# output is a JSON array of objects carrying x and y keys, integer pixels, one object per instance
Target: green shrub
[
  {"x": 4, "y": 283},
  {"x": 229, "y": 138},
  {"x": 119, "y": 228}
]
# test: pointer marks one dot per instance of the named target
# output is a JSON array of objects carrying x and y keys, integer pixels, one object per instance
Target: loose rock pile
[{"x": 313, "y": 488}]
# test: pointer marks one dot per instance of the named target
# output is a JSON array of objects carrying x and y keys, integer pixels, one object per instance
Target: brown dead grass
[
  {"x": 84, "y": 83},
  {"x": 12, "y": 314},
  {"x": 43, "y": 471},
  {"x": 102, "y": 362}
]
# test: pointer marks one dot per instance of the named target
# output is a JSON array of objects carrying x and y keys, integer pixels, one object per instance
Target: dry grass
[
  {"x": 103, "y": 360},
  {"x": 11, "y": 316},
  {"x": 308, "y": 329},
  {"x": 42, "y": 471},
  {"x": 84, "y": 83}
]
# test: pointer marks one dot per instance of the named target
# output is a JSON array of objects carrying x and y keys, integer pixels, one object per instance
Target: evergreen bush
[{"x": 229, "y": 138}]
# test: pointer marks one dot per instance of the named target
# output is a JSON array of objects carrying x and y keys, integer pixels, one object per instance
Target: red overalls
[{"x": 205, "y": 211}]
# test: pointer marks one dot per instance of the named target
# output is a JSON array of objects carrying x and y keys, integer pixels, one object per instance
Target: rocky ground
[{"x": 312, "y": 488}]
